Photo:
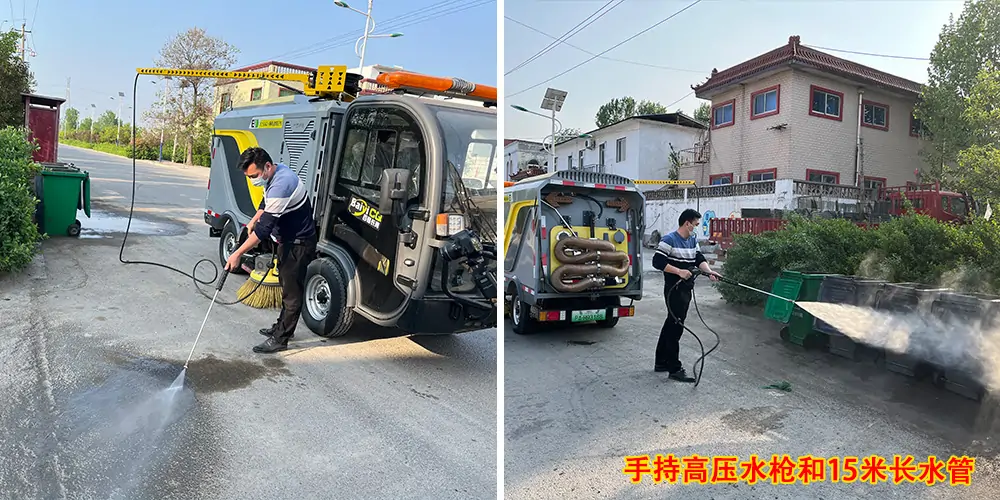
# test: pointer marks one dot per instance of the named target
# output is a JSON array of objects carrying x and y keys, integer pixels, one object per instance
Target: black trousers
[
  {"x": 293, "y": 259},
  {"x": 668, "y": 346}
]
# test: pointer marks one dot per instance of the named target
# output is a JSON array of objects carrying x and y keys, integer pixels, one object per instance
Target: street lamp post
[
  {"x": 92, "y": 108},
  {"x": 369, "y": 28},
  {"x": 121, "y": 99}
]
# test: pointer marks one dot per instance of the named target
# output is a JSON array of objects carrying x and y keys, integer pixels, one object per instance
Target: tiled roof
[{"x": 795, "y": 53}]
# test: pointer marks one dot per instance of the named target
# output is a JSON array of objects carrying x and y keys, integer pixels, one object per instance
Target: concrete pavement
[
  {"x": 89, "y": 340},
  {"x": 579, "y": 399}
]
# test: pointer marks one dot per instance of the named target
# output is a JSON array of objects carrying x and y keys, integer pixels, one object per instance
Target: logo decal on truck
[
  {"x": 267, "y": 122},
  {"x": 367, "y": 213}
]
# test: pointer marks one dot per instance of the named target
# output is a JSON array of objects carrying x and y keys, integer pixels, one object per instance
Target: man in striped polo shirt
[
  {"x": 285, "y": 214},
  {"x": 675, "y": 255}
]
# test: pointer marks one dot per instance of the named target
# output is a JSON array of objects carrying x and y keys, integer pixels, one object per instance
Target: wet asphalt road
[
  {"x": 91, "y": 346},
  {"x": 579, "y": 399}
]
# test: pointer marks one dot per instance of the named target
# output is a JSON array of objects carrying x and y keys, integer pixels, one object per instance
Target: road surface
[
  {"x": 91, "y": 345},
  {"x": 579, "y": 399}
]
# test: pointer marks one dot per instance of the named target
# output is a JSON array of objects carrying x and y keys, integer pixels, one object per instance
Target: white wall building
[
  {"x": 517, "y": 153},
  {"x": 638, "y": 147}
]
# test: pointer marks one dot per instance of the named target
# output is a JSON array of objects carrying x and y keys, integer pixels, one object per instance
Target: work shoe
[
  {"x": 270, "y": 346},
  {"x": 269, "y": 332},
  {"x": 681, "y": 376}
]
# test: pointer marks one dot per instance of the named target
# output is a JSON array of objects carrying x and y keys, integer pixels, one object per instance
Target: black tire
[
  {"x": 230, "y": 236},
  {"x": 74, "y": 229},
  {"x": 608, "y": 322},
  {"x": 324, "y": 302},
  {"x": 520, "y": 316}
]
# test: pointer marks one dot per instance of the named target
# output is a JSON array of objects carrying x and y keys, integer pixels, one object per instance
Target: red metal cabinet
[{"x": 41, "y": 118}]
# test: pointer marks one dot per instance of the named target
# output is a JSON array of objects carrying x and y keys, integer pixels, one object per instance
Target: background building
[
  {"x": 639, "y": 147},
  {"x": 799, "y": 113}
]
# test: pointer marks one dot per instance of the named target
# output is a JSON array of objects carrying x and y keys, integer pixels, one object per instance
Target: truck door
[{"x": 377, "y": 137}]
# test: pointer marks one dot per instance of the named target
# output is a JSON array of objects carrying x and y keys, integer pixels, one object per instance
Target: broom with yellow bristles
[{"x": 263, "y": 286}]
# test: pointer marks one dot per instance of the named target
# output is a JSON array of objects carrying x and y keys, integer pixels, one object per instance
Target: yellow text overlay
[{"x": 783, "y": 469}]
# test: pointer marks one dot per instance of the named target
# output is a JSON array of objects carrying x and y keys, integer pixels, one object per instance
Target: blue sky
[
  {"x": 712, "y": 34},
  {"x": 99, "y": 44}
]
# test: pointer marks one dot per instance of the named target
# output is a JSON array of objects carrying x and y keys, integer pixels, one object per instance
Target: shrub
[
  {"x": 811, "y": 246},
  {"x": 18, "y": 233}
]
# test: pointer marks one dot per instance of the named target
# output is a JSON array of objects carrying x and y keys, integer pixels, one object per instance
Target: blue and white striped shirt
[
  {"x": 287, "y": 210},
  {"x": 677, "y": 251}
]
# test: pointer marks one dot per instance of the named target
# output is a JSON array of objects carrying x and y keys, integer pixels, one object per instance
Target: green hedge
[
  {"x": 912, "y": 248},
  {"x": 143, "y": 151},
  {"x": 18, "y": 234}
]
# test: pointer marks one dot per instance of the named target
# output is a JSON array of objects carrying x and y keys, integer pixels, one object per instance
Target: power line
[
  {"x": 35, "y": 15},
  {"x": 585, "y": 51},
  {"x": 868, "y": 53},
  {"x": 619, "y": 44},
  {"x": 569, "y": 34},
  {"x": 402, "y": 20},
  {"x": 668, "y": 106},
  {"x": 412, "y": 22}
]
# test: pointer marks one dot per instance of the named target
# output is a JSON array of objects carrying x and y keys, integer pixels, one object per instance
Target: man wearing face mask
[
  {"x": 285, "y": 214},
  {"x": 675, "y": 255}
]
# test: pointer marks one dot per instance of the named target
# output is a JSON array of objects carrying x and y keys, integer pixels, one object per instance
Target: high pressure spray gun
[{"x": 218, "y": 288}]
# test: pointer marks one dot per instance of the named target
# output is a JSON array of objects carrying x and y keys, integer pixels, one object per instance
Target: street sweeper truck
[
  {"x": 572, "y": 249},
  {"x": 404, "y": 188}
]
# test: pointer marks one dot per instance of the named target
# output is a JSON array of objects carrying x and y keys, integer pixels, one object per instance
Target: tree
[
  {"x": 704, "y": 112},
  {"x": 978, "y": 169},
  {"x": 963, "y": 47},
  {"x": 15, "y": 79},
  {"x": 617, "y": 110},
  {"x": 185, "y": 107},
  {"x": 72, "y": 120},
  {"x": 566, "y": 134}
]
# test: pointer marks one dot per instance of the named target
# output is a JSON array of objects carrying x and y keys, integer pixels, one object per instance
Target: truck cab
[{"x": 929, "y": 199}]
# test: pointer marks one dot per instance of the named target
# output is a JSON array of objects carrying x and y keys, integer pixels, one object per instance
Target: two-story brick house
[{"x": 799, "y": 113}]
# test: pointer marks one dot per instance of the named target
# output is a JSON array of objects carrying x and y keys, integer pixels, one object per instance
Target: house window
[
  {"x": 823, "y": 176},
  {"x": 285, "y": 93},
  {"x": 227, "y": 102},
  {"x": 917, "y": 127},
  {"x": 581, "y": 158},
  {"x": 826, "y": 103},
  {"x": 767, "y": 174},
  {"x": 569, "y": 162},
  {"x": 764, "y": 102},
  {"x": 256, "y": 93},
  {"x": 600, "y": 155},
  {"x": 620, "y": 150},
  {"x": 875, "y": 115},
  {"x": 720, "y": 179},
  {"x": 722, "y": 114},
  {"x": 874, "y": 182}
]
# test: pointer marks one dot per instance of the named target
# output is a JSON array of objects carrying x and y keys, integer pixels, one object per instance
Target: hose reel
[{"x": 587, "y": 264}]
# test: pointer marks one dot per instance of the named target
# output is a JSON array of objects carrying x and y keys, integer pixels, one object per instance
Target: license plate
[{"x": 591, "y": 315}]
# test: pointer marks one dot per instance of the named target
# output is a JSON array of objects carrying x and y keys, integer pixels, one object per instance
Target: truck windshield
[{"x": 470, "y": 141}]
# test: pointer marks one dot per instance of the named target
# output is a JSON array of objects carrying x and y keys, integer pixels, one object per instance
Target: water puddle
[{"x": 103, "y": 225}]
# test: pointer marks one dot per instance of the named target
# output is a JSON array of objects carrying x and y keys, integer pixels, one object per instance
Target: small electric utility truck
[
  {"x": 573, "y": 249},
  {"x": 404, "y": 188}
]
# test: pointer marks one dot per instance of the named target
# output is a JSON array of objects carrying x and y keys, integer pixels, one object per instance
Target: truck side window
[
  {"x": 378, "y": 139},
  {"x": 520, "y": 221},
  {"x": 958, "y": 206}
]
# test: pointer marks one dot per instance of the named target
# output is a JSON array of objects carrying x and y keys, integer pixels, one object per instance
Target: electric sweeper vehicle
[
  {"x": 573, "y": 249},
  {"x": 404, "y": 188}
]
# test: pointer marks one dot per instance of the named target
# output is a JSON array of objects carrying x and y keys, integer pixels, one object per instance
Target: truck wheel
[
  {"x": 325, "y": 310},
  {"x": 520, "y": 316},
  {"x": 229, "y": 241}
]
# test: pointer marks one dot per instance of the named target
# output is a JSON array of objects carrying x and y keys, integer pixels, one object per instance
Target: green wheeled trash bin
[{"x": 64, "y": 190}]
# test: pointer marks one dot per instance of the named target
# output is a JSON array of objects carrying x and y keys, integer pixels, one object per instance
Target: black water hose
[
  {"x": 194, "y": 270},
  {"x": 699, "y": 364}
]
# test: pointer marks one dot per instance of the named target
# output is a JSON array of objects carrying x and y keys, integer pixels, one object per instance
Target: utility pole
[
  {"x": 24, "y": 41},
  {"x": 121, "y": 99},
  {"x": 67, "y": 92}
]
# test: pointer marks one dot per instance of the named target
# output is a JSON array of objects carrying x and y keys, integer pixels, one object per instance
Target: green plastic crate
[
  {"x": 788, "y": 285},
  {"x": 801, "y": 323}
]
